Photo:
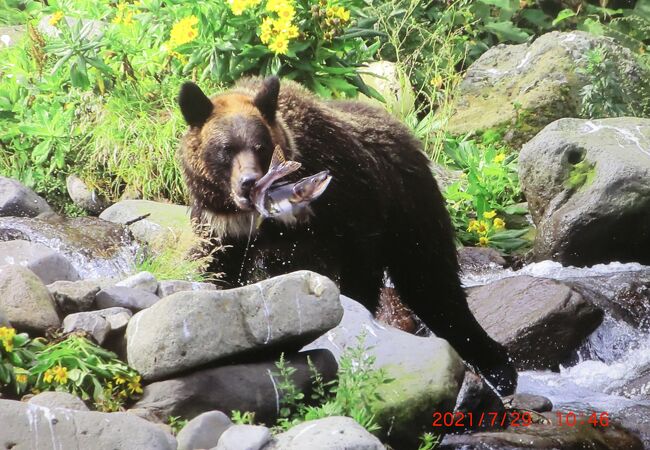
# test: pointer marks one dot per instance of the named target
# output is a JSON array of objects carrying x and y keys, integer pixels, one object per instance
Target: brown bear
[{"x": 382, "y": 212}]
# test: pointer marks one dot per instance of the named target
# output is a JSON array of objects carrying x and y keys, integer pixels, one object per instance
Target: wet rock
[
  {"x": 547, "y": 436},
  {"x": 203, "y": 431},
  {"x": 477, "y": 397},
  {"x": 25, "y": 301},
  {"x": 58, "y": 400},
  {"x": 189, "y": 329},
  {"x": 94, "y": 247},
  {"x": 479, "y": 259},
  {"x": 169, "y": 287},
  {"x": 162, "y": 218},
  {"x": 522, "y": 88},
  {"x": 27, "y": 426},
  {"x": 85, "y": 197},
  {"x": 74, "y": 296},
  {"x": 326, "y": 434},
  {"x": 529, "y": 401},
  {"x": 125, "y": 297},
  {"x": 242, "y": 386},
  {"x": 143, "y": 281},
  {"x": 540, "y": 321},
  {"x": 18, "y": 200},
  {"x": 427, "y": 373},
  {"x": 92, "y": 323},
  {"x": 47, "y": 264},
  {"x": 244, "y": 437},
  {"x": 588, "y": 187},
  {"x": 637, "y": 419}
]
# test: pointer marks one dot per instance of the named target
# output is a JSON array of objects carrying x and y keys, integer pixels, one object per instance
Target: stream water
[{"x": 611, "y": 370}]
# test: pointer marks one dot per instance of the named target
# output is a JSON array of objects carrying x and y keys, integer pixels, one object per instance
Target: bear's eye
[
  {"x": 227, "y": 148},
  {"x": 257, "y": 147}
]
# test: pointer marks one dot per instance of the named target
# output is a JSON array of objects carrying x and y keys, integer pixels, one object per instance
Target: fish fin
[
  {"x": 310, "y": 188},
  {"x": 277, "y": 158}
]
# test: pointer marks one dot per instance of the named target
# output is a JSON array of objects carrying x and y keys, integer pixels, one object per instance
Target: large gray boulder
[
  {"x": 341, "y": 433},
  {"x": 25, "y": 301},
  {"x": 47, "y": 264},
  {"x": 161, "y": 218},
  {"x": 189, "y": 329},
  {"x": 588, "y": 188},
  {"x": 540, "y": 321},
  {"x": 426, "y": 372},
  {"x": 125, "y": 297},
  {"x": 244, "y": 437},
  {"x": 28, "y": 426},
  {"x": 62, "y": 400},
  {"x": 249, "y": 386},
  {"x": 18, "y": 200},
  {"x": 522, "y": 88}
]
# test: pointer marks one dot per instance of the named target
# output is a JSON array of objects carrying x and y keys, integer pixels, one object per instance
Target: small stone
[
  {"x": 84, "y": 197},
  {"x": 117, "y": 317},
  {"x": 244, "y": 437},
  {"x": 529, "y": 401},
  {"x": 203, "y": 431},
  {"x": 58, "y": 400},
  {"x": 125, "y": 297},
  {"x": 169, "y": 287},
  {"x": 90, "y": 322},
  {"x": 47, "y": 264},
  {"x": 142, "y": 280},
  {"x": 74, "y": 296}
]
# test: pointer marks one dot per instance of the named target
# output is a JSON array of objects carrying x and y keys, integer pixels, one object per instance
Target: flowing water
[{"x": 611, "y": 370}]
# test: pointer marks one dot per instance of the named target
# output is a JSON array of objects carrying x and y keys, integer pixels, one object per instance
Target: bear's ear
[
  {"x": 266, "y": 99},
  {"x": 195, "y": 105}
]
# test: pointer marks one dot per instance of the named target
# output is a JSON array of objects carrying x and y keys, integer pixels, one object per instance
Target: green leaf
[
  {"x": 563, "y": 15},
  {"x": 42, "y": 151},
  {"x": 507, "y": 31}
]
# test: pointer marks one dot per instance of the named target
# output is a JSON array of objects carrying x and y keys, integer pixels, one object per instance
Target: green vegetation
[
  {"x": 74, "y": 364},
  {"x": 177, "y": 423},
  {"x": 582, "y": 174}
]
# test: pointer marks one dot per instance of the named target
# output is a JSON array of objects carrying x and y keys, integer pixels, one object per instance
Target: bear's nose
[{"x": 246, "y": 183}]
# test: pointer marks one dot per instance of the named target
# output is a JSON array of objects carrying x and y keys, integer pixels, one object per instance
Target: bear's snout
[{"x": 245, "y": 173}]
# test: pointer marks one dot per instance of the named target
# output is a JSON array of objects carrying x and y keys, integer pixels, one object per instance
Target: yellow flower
[
  {"x": 499, "y": 223},
  {"x": 343, "y": 14},
  {"x": 482, "y": 227},
  {"x": 119, "y": 379},
  {"x": 266, "y": 31},
  {"x": 499, "y": 158},
  {"x": 286, "y": 13},
  {"x": 21, "y": 378},
  {"x": 7, "y": 338},
  {"x": 178, "y": 56},
  {"x": 489, "y": 214},
  {"x": 56, "y": 18},
  {"x": 239, "y": 6},
  {"x": 183, "y": 31},
  {"x": 436, "y": 81},
  {"x": 134, "y": 385},
  {"x": 48, "y": 375},
  {"x": 473, "y": 225},
  {"x": 276, "y": 5},
  {"x": 60, "y": 374},
  {"x": 483, "y": 241},
  {"x": 279, "y": 45}
]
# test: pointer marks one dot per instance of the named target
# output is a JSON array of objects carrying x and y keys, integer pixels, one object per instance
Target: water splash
[{"x": 248, "y": 244}]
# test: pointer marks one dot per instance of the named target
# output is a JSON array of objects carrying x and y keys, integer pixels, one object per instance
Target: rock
[
  {"x": 244, "y": 437},
  {"x": 94, "y": 247},
  {"x": 63, "y": 400},
  {"x": 547, "y": 436},
  {"x": 203, "y": 431},
  {"x": 74, "y": 296},
  {"x": 427, "y": 373},
  {"x": 117, "y": 318},
  {"x": 125, "y": 297},
  {"x": 588, "y": 188},
  {"x": 19, "y": 200},
  {"x": 529, "y": 401},
  {"x": 479, "y": 259},
  {"x": 85, "y": 197},
  {"x": 96, "y": 27},
  {"x": 325, "y": 434},
  {"x": 540, "y": 321},
  {"x": 143, "y": 281},
  {"x": 162, "y": 218},
  {"x": 392, "y": 84},
  {"x": 90, "y": 322},
  {"x": 25, "y": 301},
  {"x": 169, "y": 287},
  {"x": 27, "y": 426},
  {"x": 637, "y": 419},
  {"x": 476, "y": 397},
  {"x": 189, "y": 329},
  {"x": 11, "y": 34},
  {"x": 244, "y": 387},
  {"x": 47, "y": 264}
]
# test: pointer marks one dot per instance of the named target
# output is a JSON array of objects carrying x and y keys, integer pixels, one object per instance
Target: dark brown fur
[{"x": 382, "y": 211}]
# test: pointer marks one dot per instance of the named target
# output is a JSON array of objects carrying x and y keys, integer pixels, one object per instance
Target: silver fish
[{"x": 286, "y": 202}]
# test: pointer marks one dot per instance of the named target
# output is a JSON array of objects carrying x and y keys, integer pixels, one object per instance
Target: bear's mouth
[{"x": 242, "y": 202}]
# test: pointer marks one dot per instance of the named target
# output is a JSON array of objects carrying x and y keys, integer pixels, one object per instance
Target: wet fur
[{"x": 382, "y": 210}]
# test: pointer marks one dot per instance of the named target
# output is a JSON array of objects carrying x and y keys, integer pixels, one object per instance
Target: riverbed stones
[
  {"x": 74, "y": 296},
  {"x": 519, "y": 89},
  {"x": 125, "y": 297},
  {"x": 588, "y": 187},
  {"x": 243, "y": 386},
  {"x": 99, "y": 324},
  {"x": 325, "y": 434},
  {"x": 530, "y": 402},
  {"x": 426, "y": 372},
  {"x": 244, "y": 437},
  {"x": 45, "y": 263},
  {"x": 18, "y": 200},
  {"x": 203, "y": 431},
  {"x": 27, "y": 426},
  {"x": 160, "y": 218},
  {"x": 189, "y": 329},
  {"x": 25, "y": 301},
  {"x": 144, "y": 281},
  {"x": 540, "y": 321}
]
